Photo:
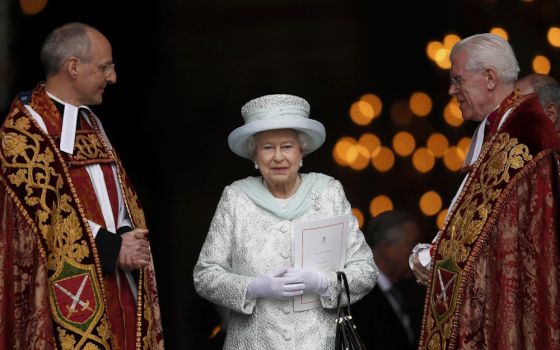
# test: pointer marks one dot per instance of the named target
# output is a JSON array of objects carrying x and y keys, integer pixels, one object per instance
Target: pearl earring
[
  {"x": 301, "y": 163},
  {"x": 256, "y": 165}
]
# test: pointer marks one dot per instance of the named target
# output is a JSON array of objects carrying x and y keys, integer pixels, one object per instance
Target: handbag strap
[{"x": 343, "y": 285}]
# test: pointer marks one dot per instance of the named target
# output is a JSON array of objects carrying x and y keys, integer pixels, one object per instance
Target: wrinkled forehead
[{"x": 459, "y": 64}]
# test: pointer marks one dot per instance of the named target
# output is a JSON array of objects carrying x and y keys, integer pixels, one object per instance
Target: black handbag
[{"x": 347, "y": 337}]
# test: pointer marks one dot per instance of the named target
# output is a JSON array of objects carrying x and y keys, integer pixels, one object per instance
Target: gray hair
[
  {"x": 489, "y": 51},
  {"x": 303, "y": 139},
  {"x": 64, "y": 42},
  {"x": 546, "y": 88}
]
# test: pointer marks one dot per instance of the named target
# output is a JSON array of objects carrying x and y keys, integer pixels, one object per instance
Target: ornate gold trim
[
  {"x": 501, "y": 158},
  {"x": 61, "y": 222}
]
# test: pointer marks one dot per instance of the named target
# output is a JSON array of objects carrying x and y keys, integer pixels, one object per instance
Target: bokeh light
[
  {"x": 32, "y": 7},
  {"x": 452, "y": 113},
  {"x": 384, "y": 161},
  {"x": 440, "y": 221},
  {"x": 400, "y": 113},
  {"x": 541, "y": 64},
  {"x": 450, "y": 40},
  {"x": 361, "y": 160},
  {"x": 423, "y": 160},
  {"x": 372, "y": 143},
  {"x": 420, "y": 104},
  {"x": 501, "y": 32},
  {"x": 380, "y": 204},
  {"x": 375, "y": 102},
  {"x": 359, "y": 216},
  {"x": 442, "y": 58},
  {"x": 344, "y": 150},
  {"x": 361, "y": 113},
  {"x": 430, "y": 203},
  {"x": 403, "y": 143},
  {"x": 553, "y": 36},
  {"x": 432, "y": 48},
  {"x": 439, "y": 51},
  {"x": 437, "y": 143},
  {"x": 464, "y": 145},
  {"x": 453, "y": 158}
]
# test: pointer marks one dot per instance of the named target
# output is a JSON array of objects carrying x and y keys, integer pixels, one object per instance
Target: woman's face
[{"x": 278, "y": 154}]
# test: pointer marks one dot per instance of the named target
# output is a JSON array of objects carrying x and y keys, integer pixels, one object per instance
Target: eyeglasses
[
  {"x": 106, "y": 68},
  {"x": 458, "y": 80}
]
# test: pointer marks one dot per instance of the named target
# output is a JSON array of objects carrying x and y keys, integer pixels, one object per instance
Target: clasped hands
[
  {"x": 135, "y": 250},
  {"x": 287, "y": 283}
]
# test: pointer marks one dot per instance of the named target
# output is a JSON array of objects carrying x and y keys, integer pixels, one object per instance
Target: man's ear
[
  {"x": 491, "y": 78},
  {"x": 551, "y": 111},
  {"x": 72, "y": 67}
]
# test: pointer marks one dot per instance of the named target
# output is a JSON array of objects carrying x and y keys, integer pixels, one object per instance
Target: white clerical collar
[
  {"x": 476, "y": 142},
  {"x": 69, "y": 122},
  {"x": 384, "y": 282}
]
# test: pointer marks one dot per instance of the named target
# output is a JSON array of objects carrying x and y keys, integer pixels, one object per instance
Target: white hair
[{"x": 489, "y": 51}]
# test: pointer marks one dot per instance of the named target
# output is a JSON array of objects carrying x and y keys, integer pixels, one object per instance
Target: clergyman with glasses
[
  {"x": 75, "y": 261},
  {"x": 492, "y": 272}
]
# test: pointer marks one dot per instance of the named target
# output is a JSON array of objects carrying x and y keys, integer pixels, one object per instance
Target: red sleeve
[
  {"x": 513, "y": 293},
  {"x": 25, "y": 320}
]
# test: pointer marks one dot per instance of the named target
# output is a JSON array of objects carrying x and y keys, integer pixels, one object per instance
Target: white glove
[
  {"x": 275, "y": 285},
  {"x": 315, "y": 282}
]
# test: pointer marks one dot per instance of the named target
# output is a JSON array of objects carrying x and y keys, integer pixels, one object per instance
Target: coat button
[
  {"x": 287, "y": 335},
  {"x": 284, "y": 228},
  {"x": 285, "y": 255}
]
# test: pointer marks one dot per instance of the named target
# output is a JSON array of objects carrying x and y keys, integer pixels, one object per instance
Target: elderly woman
[{"x": 245, "y": 263}]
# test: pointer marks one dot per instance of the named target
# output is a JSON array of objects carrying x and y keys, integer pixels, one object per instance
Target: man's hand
[
  {"x": 421, "y": 273},
  {"x": 135, "y": 250}
]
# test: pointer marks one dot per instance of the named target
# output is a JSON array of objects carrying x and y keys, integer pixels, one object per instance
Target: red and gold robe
[
  {"x": 53, "y": 294},
  {"x": 495, "y": 277}
]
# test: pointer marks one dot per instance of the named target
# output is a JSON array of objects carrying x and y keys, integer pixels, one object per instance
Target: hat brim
[{"x": 237, "y": 139}]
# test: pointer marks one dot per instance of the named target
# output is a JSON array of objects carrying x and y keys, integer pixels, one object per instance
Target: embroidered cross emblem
[
  {"x": 442, "y": 295},
  {"x": 445, "y": 281},
  {"x": 75, "y": 298}
]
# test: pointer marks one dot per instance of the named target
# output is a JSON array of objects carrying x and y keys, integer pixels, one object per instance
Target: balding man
[{"x": 75, "y": 263}]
